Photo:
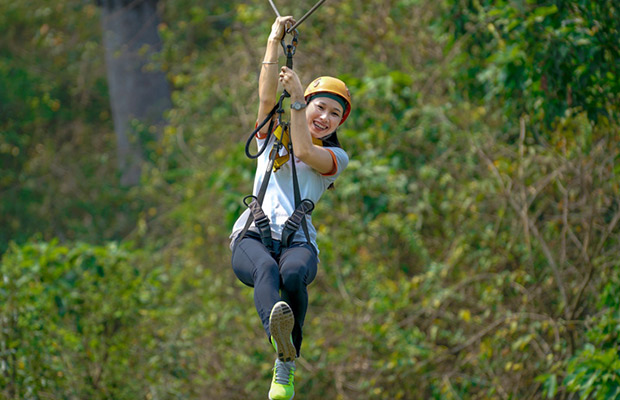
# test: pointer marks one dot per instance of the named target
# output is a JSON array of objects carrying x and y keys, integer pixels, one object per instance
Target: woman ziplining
[{"x": 273, "y": 242}]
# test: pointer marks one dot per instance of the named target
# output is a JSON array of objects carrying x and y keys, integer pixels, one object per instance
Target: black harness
[{"x": 254, "y": 203}]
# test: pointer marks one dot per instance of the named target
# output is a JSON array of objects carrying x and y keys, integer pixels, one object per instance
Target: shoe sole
[
  {"x": 281, "y": 322},
  {"x": 291, "y": 398}
]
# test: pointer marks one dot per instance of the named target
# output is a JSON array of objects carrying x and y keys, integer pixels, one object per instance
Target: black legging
[{"x": 289, "y": 273}]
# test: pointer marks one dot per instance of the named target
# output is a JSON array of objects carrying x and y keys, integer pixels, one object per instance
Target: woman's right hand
[{"x": 279, "y": 27}]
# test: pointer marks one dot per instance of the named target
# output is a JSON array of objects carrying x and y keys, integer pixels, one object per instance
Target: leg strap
[
  {"x": 295, "y": 221},
  {"x": 260, "y": 220}
]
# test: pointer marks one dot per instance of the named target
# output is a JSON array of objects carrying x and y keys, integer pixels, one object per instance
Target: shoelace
[{"x": 283, "y": 371}]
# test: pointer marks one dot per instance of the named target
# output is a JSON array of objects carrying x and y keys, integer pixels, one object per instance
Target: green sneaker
[
  {"x": 282, "y": 387},
  {"x": 281, "y": 321}
]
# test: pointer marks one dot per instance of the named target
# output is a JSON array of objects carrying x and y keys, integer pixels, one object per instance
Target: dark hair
[{"x": 331, "y": 140}]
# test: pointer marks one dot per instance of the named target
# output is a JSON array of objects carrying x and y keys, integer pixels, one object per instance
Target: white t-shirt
[{"x": 279, "y": 201}]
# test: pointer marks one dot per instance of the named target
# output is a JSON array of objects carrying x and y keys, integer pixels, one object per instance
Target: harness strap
[
  {"x": 295, "y": 220},
  {"x": 302, "y": 207},
  {"x": 261, "y": 221},
  {"x": 285, "y": 137},
  {"x": 297, "y": 196},
  {"x": 258, "y": 200},
  {"x": 282, "y": 139}
]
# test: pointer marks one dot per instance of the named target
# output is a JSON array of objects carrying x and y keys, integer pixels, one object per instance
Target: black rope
[{"x": 276, "y": 109}]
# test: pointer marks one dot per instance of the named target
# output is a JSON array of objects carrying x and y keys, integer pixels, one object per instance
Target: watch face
[{"x": 297, "y": 105}]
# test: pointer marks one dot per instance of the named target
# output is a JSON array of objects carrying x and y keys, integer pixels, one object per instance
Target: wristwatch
[{"x": 298, "y": 105}]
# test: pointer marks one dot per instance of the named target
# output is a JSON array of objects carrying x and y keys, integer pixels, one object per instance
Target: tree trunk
[{"x": 130, "y": 39}]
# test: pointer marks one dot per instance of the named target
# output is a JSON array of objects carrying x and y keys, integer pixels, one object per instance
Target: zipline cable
[
  {"x": 306, "y": 15},
  {"x": 302, "y": 19},
  {"x": 274, "y": 8}
]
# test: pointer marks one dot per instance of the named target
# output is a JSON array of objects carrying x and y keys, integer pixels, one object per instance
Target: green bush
[
  {"x": 71, "y": 321},
  {"x": 594, "y": 371}
]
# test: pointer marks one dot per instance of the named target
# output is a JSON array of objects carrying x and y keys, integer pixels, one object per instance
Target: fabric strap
[
  {"x": 302, "y": 207},
  {"x": 284, "y": 136}
]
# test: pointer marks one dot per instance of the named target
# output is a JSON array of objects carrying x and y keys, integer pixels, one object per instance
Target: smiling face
[{"x": 324, "y": 116}]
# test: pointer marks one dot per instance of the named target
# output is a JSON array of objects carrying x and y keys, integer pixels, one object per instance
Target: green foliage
[
  {"x": 57, "y": 170},
  {"x": 594, "y": 371},
  {"x": 545, "y": 59},
  {"x": 70, "y": 321}
]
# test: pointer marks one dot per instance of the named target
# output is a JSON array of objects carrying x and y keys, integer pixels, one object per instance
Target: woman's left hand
[{"x": 291, "y": 83}]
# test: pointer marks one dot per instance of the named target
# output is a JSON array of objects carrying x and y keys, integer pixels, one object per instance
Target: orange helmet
[{"x": 328, "y": 84}]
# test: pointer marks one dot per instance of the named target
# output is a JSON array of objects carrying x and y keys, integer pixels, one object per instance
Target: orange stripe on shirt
[
  {"x": 335, "y": 163},
  {"x": 258, "y": 134}
]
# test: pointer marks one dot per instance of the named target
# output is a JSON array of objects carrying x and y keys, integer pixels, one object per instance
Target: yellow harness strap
[{"x": 285, "y": 138}]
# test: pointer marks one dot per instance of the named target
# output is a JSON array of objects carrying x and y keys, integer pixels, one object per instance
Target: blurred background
[{"x": 470, "y": 250}]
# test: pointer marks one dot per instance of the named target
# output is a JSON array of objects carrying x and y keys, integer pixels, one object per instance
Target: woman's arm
[
  {"x": 268, "y": 79},
  {"x": 315, "y": 156}
]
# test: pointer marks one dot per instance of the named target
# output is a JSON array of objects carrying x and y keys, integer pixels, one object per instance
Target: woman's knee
[
  {"x": 252, "y": 263},
  {"x": 293, "y": 277},
  {"x": 298, "y": 268},
  {"x": 266, "y": 269}
]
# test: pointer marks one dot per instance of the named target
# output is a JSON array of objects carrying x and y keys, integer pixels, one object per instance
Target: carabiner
[{"x": 289, "y": 49}]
